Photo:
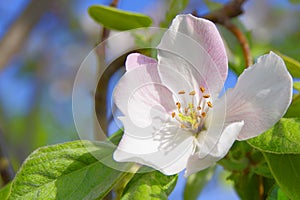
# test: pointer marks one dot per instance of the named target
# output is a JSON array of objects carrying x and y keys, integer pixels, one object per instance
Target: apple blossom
[{"x": 174, "y": 117}]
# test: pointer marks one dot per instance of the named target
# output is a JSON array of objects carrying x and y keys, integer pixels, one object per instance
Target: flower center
[{"x": 193, "y": 116}]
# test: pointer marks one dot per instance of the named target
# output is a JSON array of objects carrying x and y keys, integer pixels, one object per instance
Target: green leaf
[
  {"x": 66, "y": 171},
  {"x": 116, "y": 137},
  {"x": 294, "y": 109},
  {"x": 292, "y": 65},
  {"x": 297, "y": 86},
  {"x": 236, "y": 159},
  {"x": 175, "y": 7},
  {"x": 5, "y": 191},
  {"x": 153, "y": 186},
  {"x": 196, "y": 182},
  {"x": 246, "y": 185},
  {"x": 117, "y": 19},
  {"x": 277, "y": 194},
  {"x": 282, "y": 138},
  {"x": 285, "y": 169}
]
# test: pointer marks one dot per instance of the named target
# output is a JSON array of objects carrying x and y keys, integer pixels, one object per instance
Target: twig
[
  {"x": 242, "y": 40},
  {"x": 261, "y": 188},
  {"x": 228, "y": 11},
  {"x": 223, "y": 16},
  {"x": 6, "y": 170},
  {"x": 15, "y": 37},
  {"x": 114, "y": 3},
  {"x": 101, "y": 91}
]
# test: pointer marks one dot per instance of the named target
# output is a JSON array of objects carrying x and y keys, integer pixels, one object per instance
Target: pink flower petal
[
  {"x": 193, "y": 47},
  {"x": 140, "y": 92},
  {"x": 261, "y": 96},
  {"x": 135, "y": 60}
]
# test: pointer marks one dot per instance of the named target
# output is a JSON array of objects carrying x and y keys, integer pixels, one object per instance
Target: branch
[
  {"x": 101, "y": 91},
  {"x": 16, "y": 36},
  {"x": 228, "y": 11},
  {"x": 223, "y": 16},
  {"x": 242, "y": 40},
  {"x": 6, "y": 170}
]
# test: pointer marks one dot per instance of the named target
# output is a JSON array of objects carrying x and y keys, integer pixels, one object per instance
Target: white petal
[
  {"x": 140, "y": 92},
  {"x": 166, "y": 149},
  {"x": 214, "y": 126},
  {"x": 261, "y": 96},
  {"x": 204, "y": 158},
  {"x": 135, "y": 60},
  {"x": 193, "y": 51}
]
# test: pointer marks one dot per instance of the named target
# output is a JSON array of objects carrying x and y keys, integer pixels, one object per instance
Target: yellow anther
[
  {"x": 178, "y": 105},
  {"x": 181, "y": 92},
  {"x": 202, "y": 89},
  {"x": 192, "y": 93},
  {"x": 206, "y": 96},
  {"x": 203, "y": 114},
  {"x": 209, "y": 104},
  {"x": 182, "y": 126},
  {"x": 173, "y": 114},
  {"x": 198, "y": 108}
]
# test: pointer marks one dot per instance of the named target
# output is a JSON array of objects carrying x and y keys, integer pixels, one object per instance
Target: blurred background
[{"x": 43, "y": 43}]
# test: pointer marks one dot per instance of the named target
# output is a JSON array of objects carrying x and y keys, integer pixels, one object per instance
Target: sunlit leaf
[
  {"x": 282, "y": 138},
  {"x": 285, "y": 168},
  {"x": 152, "y": 185},
  {"x": 292, "y": 65},
  {"x": 5, "y": 191},
  {"x": 66, "y": 171},
  {"x": 117, "y": 19},
  {"x": 196, "y": 182}
]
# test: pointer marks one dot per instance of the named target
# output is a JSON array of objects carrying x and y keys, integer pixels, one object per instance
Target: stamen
[
  {"x": 202, "y": 89},
  {"x": 178, "y": 105},
  {"x": 206, "y": 96},
  {"x": 186, "y": 110},
  {"x": 193, "y": 115},
  {"x": 209, "y": 104},
  {"x": 173, "y": 114},
  {"x": 192, "y": 93}
]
